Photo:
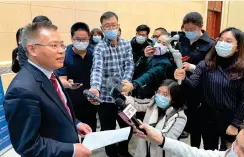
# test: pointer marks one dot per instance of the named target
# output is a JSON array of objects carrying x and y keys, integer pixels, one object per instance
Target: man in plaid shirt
[{"x": 112, "y": 58}]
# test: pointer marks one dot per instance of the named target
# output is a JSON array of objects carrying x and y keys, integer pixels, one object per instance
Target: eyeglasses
[
  {"x": 155, "y": 36},
  {"x": 81, "y": 40},
  {"x": 53, "y": 46},
  {"x": 106, "y": 27}
]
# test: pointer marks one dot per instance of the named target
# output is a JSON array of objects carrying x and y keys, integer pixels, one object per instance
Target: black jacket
[
  {"x": 198, "y": 50},
  {"x": 138, "y": 54},
  {"x": 138, "y": 49}
]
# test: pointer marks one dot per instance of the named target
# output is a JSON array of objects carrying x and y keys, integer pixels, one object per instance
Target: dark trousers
[
  {"x": 194, "y": 126},
  {"x": 108, "y": 113},
  {"x": 214, "y": 125},
  {"x": 86, "y": 113},
  {"x": 211, "y": 138}
]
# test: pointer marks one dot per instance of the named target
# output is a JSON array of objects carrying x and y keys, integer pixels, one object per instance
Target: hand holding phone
[
  {"x": 74, "y": 85},
  {"x": 149, "y": 51}
]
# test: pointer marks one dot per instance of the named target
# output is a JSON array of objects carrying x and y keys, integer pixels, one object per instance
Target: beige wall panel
[
  {"x": 6, "y": 80},
  {"x": 156, "y": 22},
  {"x": 57, "y": 4},
  {"x": 161, "y": 9},
  {"x": 140, "y": 8},
  {"x": 8, "y": 43},
  {"x": 129, "y": 23},
  {"x": 225, "y": 12},
  {"x": 236, "y": 16},
  {"x": 13, "y": 16},
  {"x": 91, "y": 5},
  {"x": 127, "y": 34},
  {"x": 63, "y": 18},
  {"x": 17, "y": 2},
  {"x": 90, "y": 17},
  {"x": 181, "y": 9},
  {"x": 66, "y": 38},
  {"x": 119, "y": 6}
]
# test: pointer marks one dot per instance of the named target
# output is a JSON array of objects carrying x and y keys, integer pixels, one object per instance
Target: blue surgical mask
[
  {"x": 231, "y": 152},
  {"x": 96, "y": 39},
  {"x": 191, "y": 35},
  {"x": 162, "y": 101},
  {"x": 223, "y": 49},
  {"x": 111, "y": 34},
  {"x": 140, "y": 39}
]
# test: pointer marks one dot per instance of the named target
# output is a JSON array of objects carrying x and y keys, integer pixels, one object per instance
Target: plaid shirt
[{"x": 110, "y": 61}]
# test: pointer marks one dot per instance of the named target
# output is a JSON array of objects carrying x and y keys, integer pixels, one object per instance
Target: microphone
[
  {"x": 115, "y": 94},
  {"x": 92, "y": 96},
  {"x": 129, "y": 111}
]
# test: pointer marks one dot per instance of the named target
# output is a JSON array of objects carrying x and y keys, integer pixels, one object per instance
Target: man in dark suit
[{"x": 38, "y": 111}]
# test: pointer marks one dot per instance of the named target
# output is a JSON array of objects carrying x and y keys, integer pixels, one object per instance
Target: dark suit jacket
[{"x": 39, "y": 125}]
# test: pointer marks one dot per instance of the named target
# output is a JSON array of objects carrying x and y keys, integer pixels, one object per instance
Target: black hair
[
  {"x": 177, "y": 100},
  {"x": 143, "y": 28},
  {"x": 108, "y": 15},
  {"x": 18, "y": 35},
  {"x": 41, "y": 18},
  {"x": 79, "y": 26},
  {"x": 162, "y": 30},
  {"x": 193, "y": 17}
]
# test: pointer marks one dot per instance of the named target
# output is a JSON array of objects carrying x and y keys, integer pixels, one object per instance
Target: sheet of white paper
[{"x": 101, "y": 139}]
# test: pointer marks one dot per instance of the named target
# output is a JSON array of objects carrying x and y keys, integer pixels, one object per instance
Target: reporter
[
  {"x": 221, "y": 80},
  {"x": 181, "y": 149},
  {"x": 164, "y": 113},
  {"x": 158, "y": 68},
  {"x": 195, "y": 47}
]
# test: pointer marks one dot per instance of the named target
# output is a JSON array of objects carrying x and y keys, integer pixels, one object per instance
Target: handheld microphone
[
  {"x": 129, "y": 111},
  {"x": 92, "y": 96},
  {"x": 115, "y": 94}
]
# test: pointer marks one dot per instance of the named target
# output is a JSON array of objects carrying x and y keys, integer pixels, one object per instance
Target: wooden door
[{"x": 214, "y": 18}]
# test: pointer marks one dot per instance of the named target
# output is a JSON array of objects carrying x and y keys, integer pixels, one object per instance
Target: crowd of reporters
[{"x": 209, "y": 102}]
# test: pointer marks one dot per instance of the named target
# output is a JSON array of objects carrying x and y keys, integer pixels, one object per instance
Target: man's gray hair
[{"x": 30, "y": 32}]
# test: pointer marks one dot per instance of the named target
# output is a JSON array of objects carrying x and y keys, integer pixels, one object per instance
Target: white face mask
[
  {"x": 140, "y": 39},
  {"x": 160, "y": 49},
  {"x": 223, "y": 49},
  {"x": 80, "y": 45}
]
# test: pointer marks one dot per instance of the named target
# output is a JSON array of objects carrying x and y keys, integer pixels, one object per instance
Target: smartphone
[{"x": 157, "y": 51}]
